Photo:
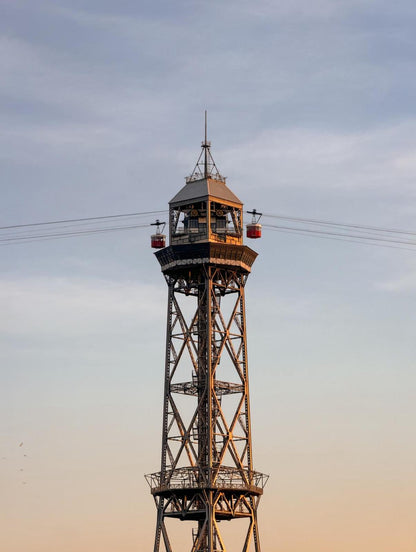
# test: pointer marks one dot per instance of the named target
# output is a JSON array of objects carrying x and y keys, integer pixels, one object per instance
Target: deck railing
[{"x": 196, "y": 478}]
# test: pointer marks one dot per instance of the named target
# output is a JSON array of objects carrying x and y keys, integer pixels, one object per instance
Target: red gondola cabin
[
  {"x": 254, "y": 228},
  {"x": 158, "y": 241},
  {"x": 254, "y": 231}
]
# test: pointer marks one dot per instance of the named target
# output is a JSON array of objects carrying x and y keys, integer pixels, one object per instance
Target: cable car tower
[{"x": 206, "y": 474}]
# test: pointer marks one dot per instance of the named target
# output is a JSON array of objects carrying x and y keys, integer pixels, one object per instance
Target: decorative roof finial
[{"x": 205, "y": 168}]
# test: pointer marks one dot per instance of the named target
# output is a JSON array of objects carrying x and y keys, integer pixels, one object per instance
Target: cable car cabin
[
  {"x": 254, "y": 231},
  {"x": 158, "y": 241}
]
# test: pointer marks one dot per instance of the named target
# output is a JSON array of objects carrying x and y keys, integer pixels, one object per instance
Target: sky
[{"x": 311, "y": 114}]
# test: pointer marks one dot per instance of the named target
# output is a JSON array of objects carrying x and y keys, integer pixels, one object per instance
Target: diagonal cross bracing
[{"x": 206, "y": 469}]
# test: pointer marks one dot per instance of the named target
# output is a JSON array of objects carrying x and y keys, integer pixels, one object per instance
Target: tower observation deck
[{"x": 206, "y": 474}]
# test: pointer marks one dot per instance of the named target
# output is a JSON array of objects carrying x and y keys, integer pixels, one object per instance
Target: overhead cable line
[
  {"x": 283, "y": 217},
  {"x": 342, "y": 224},
  {"x": 75, "y": 226},
  {"x": 359, "y": 242},
  {"x": 39, "y": 231},
  {"x": 41, "y": 237},
  {"x": 321, "y": 233},
  {"x": 82, "y": 219}
]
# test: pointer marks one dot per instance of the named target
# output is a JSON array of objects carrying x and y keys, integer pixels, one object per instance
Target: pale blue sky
[{"x": 312, "y": 114}]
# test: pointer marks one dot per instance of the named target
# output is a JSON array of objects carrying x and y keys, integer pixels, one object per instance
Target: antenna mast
[{"x": 206, "y": 146}]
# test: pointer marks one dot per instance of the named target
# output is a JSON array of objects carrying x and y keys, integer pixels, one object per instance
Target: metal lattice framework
[
  {"x": 206, "y": 471},
  {"x": 206, "y": 474}
]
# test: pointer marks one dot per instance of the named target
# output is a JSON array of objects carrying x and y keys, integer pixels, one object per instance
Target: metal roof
[{"x": 198, "y": 189}]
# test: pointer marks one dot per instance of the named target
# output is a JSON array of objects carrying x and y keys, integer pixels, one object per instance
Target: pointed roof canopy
[
  {"x": 200, "y": 189},
  {"x": 205, "y": 180}
]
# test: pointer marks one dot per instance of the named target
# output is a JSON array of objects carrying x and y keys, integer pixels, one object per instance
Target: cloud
[
  {"x": 401, "y": 284},
  {"x": 382, "y": 158},
  {"x": 68, "y": 308},
  {"x": 98, "y": 78},
  {"x": 298, "y": 8}
]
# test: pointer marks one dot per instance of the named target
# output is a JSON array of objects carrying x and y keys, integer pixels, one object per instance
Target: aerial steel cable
[
  {"x": 362, "y": 237},
  {"x": 269, "y": 215},
  {"x": 39, "y": 231},
  {"x": 89, "y": 225},
  {"x": 342, "y": 224},
  {"x": 328, "y": 236},
  {"x": 82, "y": 219},
  {"x": 57, "y": 235}
]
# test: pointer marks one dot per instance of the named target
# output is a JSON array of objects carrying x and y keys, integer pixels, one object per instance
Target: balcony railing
[{"x": 223, "y": 477}]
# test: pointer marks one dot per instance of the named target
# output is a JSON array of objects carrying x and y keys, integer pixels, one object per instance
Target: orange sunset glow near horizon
[{"x": 312, "y": 121}]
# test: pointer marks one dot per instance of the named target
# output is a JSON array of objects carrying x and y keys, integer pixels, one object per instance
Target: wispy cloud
[
  {"x": 382, "y": 158},
  {"x": 403, "y": 283},
  {"x": 65, "y": 308}
]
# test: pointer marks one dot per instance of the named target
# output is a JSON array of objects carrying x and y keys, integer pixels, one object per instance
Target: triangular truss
[{"x": 205, "y": 166}]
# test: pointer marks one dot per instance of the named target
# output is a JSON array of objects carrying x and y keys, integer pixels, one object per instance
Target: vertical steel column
[{"x": 166, "y": 393}]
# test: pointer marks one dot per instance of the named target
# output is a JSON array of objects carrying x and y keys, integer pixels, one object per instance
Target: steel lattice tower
[{"x": 206, "y": 474}]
